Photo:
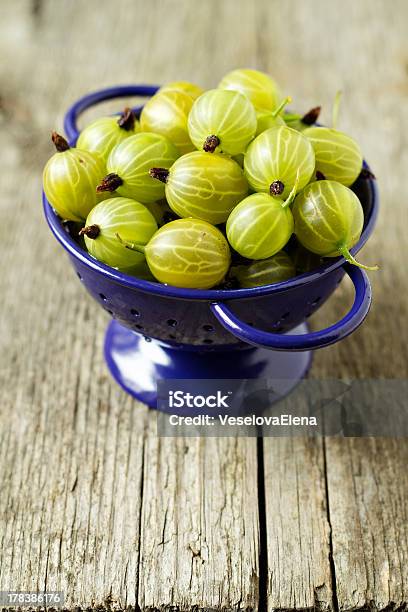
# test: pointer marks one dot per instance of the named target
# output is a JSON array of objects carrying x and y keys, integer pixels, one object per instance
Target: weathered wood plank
[
  {"x": 73, "y": 449},
  {"x": 368, "y": 497},
  {"x": 71, "y": 442},
  {"x": 350, "y": 47},
  {"x": 298, "y": 534},
  {"x": 77, "y": 528},
  {"x": 199, "y": 524}
]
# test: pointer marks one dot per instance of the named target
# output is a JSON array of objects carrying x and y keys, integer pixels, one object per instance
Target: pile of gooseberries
[{"x": 219, "y": 188}]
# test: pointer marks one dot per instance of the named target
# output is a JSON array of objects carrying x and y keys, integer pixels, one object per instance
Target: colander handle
[
  {"x": 81, "y": 105},
  {"x": 304, "y": 342}
]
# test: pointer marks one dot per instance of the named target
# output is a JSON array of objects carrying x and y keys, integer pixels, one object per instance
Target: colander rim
[{"x": 212, "y": 295}]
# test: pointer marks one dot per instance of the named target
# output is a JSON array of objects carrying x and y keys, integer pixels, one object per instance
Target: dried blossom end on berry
[
  {"x": 110, "y": 183},
  {"x": 211, "y": 143},
  {"x": 60, "y": 143},
  {"x": 92, "y": 231},
  {"x": 276, "y": 188}
]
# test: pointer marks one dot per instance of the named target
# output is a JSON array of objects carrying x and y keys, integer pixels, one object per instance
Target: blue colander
[{"x": 158, "y": 331}]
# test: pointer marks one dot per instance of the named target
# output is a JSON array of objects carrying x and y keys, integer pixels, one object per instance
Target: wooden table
[{"x": 92, "y": 502}]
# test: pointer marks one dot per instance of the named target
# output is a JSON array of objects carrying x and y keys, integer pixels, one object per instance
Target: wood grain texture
[
  {"x": 298, "y": 546},
  {"x": 73, "y": 445},
  {"x": 92, "y": 502},
  {"x": 367, "y": 490},
  {"x": 349, "y": 47},
  {"x": 199, "y": 524}
]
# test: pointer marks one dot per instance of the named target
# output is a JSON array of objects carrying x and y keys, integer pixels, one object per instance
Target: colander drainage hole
[
  {"x": 207, "y": 341},
  {"x": 79, "y": 276},
  {"x": 134, "y": 312},
  {"x": 172, "y": 322},
  {"x": 109, "y": 311},
  {"x": 103, "y": 297},
  {"x": 139, "y": 326},
  {"x": 172, "y": 337},
  {"x": 208, "y": 328}
]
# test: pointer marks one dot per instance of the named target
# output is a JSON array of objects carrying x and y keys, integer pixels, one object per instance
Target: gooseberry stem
[
  {"x": 132, "y": 246},
  {"x": 281, "y": 106},
  {"x": 292, "y": 194},
  {"x": 127, "y": 120},
  {"x": 211, "y": 143},
  {"x": 110, "y": 183},
  {"x": 91, "y": 231},
  {"x": 336, "y": 108},
  {"x": 60, "y": 143},
  {"x": 161, "y": 174},
  {"x": 348, "y": 257}
]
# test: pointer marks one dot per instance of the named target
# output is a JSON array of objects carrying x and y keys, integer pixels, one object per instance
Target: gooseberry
[
  {"x": 102, "y": 135},
  {"x": 267, "y": 120},
  {"x": 304, "y": 260},
  {"x": 129, "y": 164},
  {"x": 261, "y": 225},
  {"x": 161, "y": 211},
  {"x": 203, "y": 186},
  {"x": 338, "y": 156},
  {"x": 257, "y": 86},
  {"x": 239, "y": 159},
  {"x": 123, "y": 216},
  {"x": 274, "y": 158},
  {"x": 275, "y": 269},
  {"x": 222, "y": 121},
  {"x": 184, "y": 86},
  {"x": 167, "y": 113},
  {"x": 329, "y": 219},
  {"x": 188, "y": 253},
  {"x": 70, "y": 178}
]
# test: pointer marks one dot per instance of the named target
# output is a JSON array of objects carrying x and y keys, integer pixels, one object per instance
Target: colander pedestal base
[{"x": 136, "y": 363}]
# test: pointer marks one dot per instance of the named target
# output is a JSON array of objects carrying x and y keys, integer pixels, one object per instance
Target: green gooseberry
[
  {"x": 203, "y": 186},
  {"x": 129, "y": 164},
  {"x": 104, "y": 133},
  {"x": 257, "y": 86},
  {"x": 167, "y": 113},
  {"x": 329, "y": 220},
  {"x": 222, "y": 121},
  {"x": 188, "y": 253},
  {"x": 267, "y": 120},
  {"x": 261, "y": 225},
  {"x": 70, "y": 179},
  {"x": 191, "y": 89},
  {"x": 275, "y": 158},
  {"x": 275, "y": 269},
  {"x": 304, "y": 260},
  {"x": 132, "y": 220},
  {"x": 338, "y": 156}
]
